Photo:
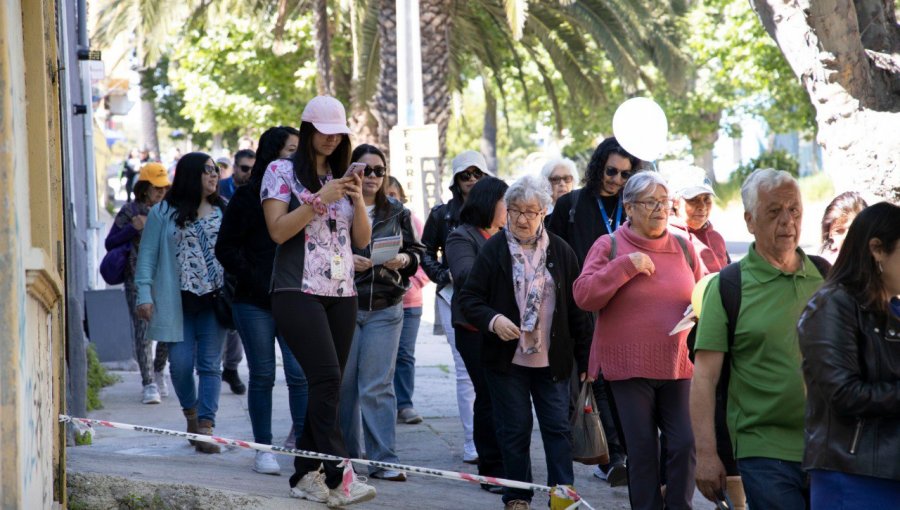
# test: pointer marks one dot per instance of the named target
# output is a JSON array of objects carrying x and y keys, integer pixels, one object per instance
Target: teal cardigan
[{"x": 158, "y": 277}]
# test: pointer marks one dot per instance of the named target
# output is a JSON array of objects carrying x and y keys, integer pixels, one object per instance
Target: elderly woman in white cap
[
  {"x": 693, "y": 202},
  {"x": 315, "y": 212},
  {"x": 562, "y": 175}
]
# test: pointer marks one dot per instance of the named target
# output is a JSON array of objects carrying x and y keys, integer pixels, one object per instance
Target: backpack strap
[
  {"x": 684, "y": 249},
  {"x": 574, "y": 203},
  {"x": 730, "y": 292},
  {"x": 821, "y": 264}
]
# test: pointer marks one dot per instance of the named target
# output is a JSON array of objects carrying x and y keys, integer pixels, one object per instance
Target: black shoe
[
  {"x": 493, "y": 489},
  {"x": 617, "y": 476},
  {"x": 234, "y": 381}
]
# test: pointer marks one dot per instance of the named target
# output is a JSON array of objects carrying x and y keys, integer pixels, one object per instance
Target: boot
[
  {"x": 206, "y": 428},
  {"x": 230, "y": 376},
  {"x": 192, "y": 425},
  {"x": 735, "y": 488}
]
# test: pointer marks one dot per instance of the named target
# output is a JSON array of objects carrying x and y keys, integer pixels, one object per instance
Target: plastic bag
[{"x": 588, "y": 440}]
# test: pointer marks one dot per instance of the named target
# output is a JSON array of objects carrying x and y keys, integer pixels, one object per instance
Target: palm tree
[{"x": 150, "y": 22}]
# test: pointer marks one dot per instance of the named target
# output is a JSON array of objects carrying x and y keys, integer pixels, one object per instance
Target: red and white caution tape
[{"x": 560, "y": 491}]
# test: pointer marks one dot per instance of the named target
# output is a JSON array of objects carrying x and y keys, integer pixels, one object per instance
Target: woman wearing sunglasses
[
  {"x": 176, "y": 277},
  {"x": 367, "y": 391}
]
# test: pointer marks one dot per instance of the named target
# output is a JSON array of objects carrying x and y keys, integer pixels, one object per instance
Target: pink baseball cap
[{"x": 327, "y": 114}]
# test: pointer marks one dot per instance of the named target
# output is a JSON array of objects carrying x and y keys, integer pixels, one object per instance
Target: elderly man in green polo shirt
[{"x": 766, "y": 394}]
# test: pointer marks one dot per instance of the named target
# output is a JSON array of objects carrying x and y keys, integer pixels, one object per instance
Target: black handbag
[{"x": 221, "y": 298}]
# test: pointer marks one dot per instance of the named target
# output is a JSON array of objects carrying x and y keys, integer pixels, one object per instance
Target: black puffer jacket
[
  {"x": 851, "y": 362},
  {"x": 442, "y": 220},
  {"x": 380, "y": 287}
]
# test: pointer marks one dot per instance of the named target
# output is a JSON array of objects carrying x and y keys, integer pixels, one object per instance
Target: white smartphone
[{"x": 356, "y": 168}]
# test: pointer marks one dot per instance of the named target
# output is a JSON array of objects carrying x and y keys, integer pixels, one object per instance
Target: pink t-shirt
[
  {"x": 413, "y": 296},
  {"x": 279, "y": 182}
]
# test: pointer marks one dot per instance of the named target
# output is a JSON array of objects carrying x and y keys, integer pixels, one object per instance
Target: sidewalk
[{"x": 151, "y": 471}]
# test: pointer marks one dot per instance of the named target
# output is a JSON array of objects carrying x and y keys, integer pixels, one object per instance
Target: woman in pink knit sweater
[{"x": 639, "y": 284}]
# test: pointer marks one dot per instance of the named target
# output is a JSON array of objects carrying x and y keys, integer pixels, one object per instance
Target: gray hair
[
  {"x": 528, "y": 188},
  {"x": 640, "y": 183},
  {"x": 551, "y": 164},
  {"x": 765, "y": 179}
]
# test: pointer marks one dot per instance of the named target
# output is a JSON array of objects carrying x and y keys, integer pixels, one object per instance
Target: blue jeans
[
  {"x": 257, "y": 329},
  {"x": 832, "y": 490},
  {"x": 405, "y": 375},
  {"x": 774, "y": 484},
  {"x": 511, "y": 395},
  {"x": 367, "y": 400},
  {"x": 201, "y": 348}
]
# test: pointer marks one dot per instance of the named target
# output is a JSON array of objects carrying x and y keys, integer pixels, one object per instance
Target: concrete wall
[{"x": 32, "y": 268}]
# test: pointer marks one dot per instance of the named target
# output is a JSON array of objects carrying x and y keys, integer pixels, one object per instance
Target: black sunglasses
[
  {"x": 378, "y": 170},
  {"x": 612, "y": 171},
  {"x": 245, "y": 168},
  {"x": 210, "y": 169},
  {"x": 468, "y": 175}
]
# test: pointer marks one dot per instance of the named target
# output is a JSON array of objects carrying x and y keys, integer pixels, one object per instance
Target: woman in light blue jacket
[{"x": 177, "y": 277}]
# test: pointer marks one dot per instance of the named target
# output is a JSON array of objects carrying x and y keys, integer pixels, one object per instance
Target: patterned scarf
[{"x": 529, "y": 276}]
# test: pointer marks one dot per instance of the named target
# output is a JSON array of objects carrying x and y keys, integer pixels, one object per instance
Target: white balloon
[{"x": 641, "y": 128}]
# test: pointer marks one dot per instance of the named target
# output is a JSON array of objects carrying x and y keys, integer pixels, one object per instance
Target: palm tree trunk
[
  {"x": 435, "y": 27},
  {"x": 322, "y": 44},
  {"x": 489, "y": 132},
  {"x": 149, "y": 137},
  {"x": 384, "y": 104}
]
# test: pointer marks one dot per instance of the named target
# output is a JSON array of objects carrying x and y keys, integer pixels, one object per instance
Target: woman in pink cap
[{"x": 314, "y": 212}]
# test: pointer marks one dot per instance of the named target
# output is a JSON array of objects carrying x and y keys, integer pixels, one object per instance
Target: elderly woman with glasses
[
  {"x": 643, "y": 267},
  {"x": 519, "y": 295},
  {"x": 562, "y": 175}
]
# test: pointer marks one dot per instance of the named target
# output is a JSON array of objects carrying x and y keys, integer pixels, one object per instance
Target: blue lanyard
[{"x": 609, "y": 227}]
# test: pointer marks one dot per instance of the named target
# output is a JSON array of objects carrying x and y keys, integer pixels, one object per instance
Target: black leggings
[{"x": 319, "y": 332}]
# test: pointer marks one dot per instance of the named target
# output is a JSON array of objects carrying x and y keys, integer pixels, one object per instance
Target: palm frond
[{"x": 516, "y": 14}]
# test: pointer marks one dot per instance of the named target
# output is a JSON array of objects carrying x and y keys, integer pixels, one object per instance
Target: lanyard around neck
[{"x": 610, "y": 227}]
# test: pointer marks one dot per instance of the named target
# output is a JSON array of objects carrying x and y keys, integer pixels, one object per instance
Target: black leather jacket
[
  {"x": 851, "y": 362},
  {"x": 442, "y": 220},
  {"x": 380, "y": 287}
]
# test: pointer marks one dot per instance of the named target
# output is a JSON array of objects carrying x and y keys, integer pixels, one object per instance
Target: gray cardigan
[{"x": 462, "y": 247}]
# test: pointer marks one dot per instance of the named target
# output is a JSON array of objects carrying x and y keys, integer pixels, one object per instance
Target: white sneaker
[
  {"x": 266, "y": 464},
  {"x": 357, "y": 492},
  {"x": 160, "y": 379},
  {"x": 470, "y": 454},
  {"x": 151, "y": 394},
  {"x": 311, "y": 487}
]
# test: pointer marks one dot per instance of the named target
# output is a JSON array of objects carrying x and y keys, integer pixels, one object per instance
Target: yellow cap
[{"x": 155, "y": 174}]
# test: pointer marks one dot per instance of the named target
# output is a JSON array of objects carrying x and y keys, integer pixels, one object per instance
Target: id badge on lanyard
[{"x": 337, "y": 260}]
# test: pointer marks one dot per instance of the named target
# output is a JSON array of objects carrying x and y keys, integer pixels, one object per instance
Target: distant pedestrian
[
  {"x": 836, "y": 220},
  {"x": 641, "y": 266},
  {"x": 482, "y": 216},
  {"x": 247, "y": 253},
  {"x": 405, "y": 373},
  {"x": 468, "y": 168},
  {"x": 177, "y": 277},
  {"x": 315, "y": 213},
  {"x": 562, "y": 174},
  {"x": 128, "y": 225},
  {"x": 368, "y": 402},
  {"x": 519, "y": 295},
  {"x": 850, "y": 340}
]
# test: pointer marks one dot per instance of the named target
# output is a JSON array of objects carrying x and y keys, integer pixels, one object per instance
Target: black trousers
[
  {"x": 319, "y": 332},
  {"x": 490, "y": 460}
]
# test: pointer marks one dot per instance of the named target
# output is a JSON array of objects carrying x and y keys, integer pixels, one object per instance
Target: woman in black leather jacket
[
  {"x": 367, "y": 390},
  {"x": 850, "y": 339}
]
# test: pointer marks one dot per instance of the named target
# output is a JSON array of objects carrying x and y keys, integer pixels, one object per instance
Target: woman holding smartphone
[{"x": 314, "y": 212}]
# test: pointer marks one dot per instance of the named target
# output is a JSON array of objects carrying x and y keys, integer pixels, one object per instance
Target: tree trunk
[
  {"x": 149, "y": 137},
  {"x": 845, "y": 53},
  {"x": 384, "y": 104},
  {"x": 489, "y": 132},
  {"x": 322, "y": 44},
  {"x": 435, "y": 27},
  {"x": 702, "y": 143}
]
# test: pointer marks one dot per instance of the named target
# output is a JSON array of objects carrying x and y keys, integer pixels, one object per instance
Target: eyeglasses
[
  {"x": 245, "y": 168},
  {"x": 378, "y": 170},
  {"x": 612, "y": 171},
  {"x": 654, "y": 205},
  {"x": 561, "y": 178},
  {"x": 515, "y": 214},
  {"x": 210, "y": 169},
  {"x": 468, "y": 175}
]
